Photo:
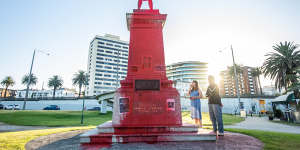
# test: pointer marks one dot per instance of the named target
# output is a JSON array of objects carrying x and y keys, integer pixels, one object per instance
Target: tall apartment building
[
  {"x": 248, "y": 85},
  {"x": 188, "y": 71},
  {"x": 107, "y": 64}
]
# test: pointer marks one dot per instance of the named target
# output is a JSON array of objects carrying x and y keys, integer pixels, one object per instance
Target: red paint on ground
[{"x": 94, "y": 146}]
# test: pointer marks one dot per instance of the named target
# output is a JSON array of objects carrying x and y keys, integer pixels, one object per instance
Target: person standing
[
  {"x": 215, "y": 106},
  {"x": 195, "y": 94}
]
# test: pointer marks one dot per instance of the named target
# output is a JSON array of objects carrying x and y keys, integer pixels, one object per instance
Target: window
[
  {"x": 100, "y": 50},
  {"x": 105, "y": 71},
  {"x": 111, "y": 41},
  {"x": 107, "y": 75},
  {"x": 99, "y": 66},
  {"x": 109, "y": 44},
  {"x": 107, "y": 59},
  {"x": 125, "y": 47},
  {"x": 101, "y": 79},
  {"x": 113, "y": 64},
  {"x": 100, "y": 58},
  {"x": 118, "y": 46},
  {"x": 99, "y": 74},
  {"x": 101, "y": 43},
  {"x": 112, "y": 56},
  {"x": 107, "y": 83},
  {"x": 99, "y": 46},
  {"x": 110, "y": 52},
  {"x": 108, "y": 67}
]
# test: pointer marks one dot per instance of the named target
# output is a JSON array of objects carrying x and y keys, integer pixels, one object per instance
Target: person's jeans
[{"x": 215, "y": 113}]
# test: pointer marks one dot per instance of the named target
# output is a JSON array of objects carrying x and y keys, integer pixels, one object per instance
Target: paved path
[
  {"x": 262, "y": 123},
  {"x": 12, "y": 128}
]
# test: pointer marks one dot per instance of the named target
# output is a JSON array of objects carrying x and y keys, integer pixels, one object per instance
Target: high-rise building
[
  {"x": 188, "y": 71},
  {"x": 107, "y": 64},
  {"x": 248, "y": 84}
]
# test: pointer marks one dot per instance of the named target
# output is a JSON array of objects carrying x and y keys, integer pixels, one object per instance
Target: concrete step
[{"x": 108, "y": 128}]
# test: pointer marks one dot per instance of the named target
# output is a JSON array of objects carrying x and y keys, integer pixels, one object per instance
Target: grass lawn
[
  {"x": 72, "y": 118},
  {"x": 273, "y": 140},
  {"x": 18, "y": 140},
  {"x": 227, "y": 119},
  {"x": 53, "y": 118}
]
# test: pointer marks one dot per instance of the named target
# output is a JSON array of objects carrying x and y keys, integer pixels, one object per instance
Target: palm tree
[
  {"x": 33, "y": 80},
  {"x": 55, "y": 82},
  {"x": 7, "y": 82},
  {"x": 80, "y": 79},
  {"x": 256, "y": 72},
  {"x": 281, "y": 65}
]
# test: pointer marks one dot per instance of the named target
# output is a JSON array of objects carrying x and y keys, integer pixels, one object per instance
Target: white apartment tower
[{"x": 107, "y": 64}]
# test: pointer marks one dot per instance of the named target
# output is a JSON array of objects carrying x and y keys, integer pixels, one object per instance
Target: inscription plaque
[
  {"x": 141, "y": 85},
  {"x": 124, "y": 105}
]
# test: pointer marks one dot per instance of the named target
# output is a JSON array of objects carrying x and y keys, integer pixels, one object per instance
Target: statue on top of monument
[{"x": 149, "y": 2}]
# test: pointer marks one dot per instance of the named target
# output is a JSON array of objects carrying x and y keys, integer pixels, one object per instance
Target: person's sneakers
[{"x": 220, "y": 134}]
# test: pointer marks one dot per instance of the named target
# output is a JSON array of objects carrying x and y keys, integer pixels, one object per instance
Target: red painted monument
[{"x": 146, "y": 107}]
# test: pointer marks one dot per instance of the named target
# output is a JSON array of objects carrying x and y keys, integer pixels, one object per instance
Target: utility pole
[
  {"x": 236, "y": 79},
  {"x": 29, "y": 81},
  {"x": 118, "y": 67}
]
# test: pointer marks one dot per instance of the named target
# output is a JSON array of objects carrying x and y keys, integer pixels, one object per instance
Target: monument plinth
[{"x": 146, "y": 106}]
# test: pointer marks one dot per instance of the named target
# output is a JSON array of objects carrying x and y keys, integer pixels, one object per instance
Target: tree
[
  {"x": 55, "y": 82},
  {"x": 7, "y": 82},
  {"x": 281, "y": 65},
  {"x": 33, "y": 80},
  {"x": 256, "y": 73},
  {"x": 80, "y": 79}
]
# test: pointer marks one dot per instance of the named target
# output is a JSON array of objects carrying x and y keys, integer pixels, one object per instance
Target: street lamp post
[
  {"x": 83, "y": 101},
  {"x": 30, "y": 75},
  {"x": 236, "y": 78}
]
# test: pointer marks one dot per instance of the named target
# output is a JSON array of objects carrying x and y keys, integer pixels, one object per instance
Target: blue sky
[{"x": 195, "y": 30}]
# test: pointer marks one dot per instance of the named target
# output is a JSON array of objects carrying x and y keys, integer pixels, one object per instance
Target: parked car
[
  {"x": 52, "y": 107},
  {"x": 1, "y": 106},
  {"x": 12, "y": 107},
  {"x": 95, "y": 109}
]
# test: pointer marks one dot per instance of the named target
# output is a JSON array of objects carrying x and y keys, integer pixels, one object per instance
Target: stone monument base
[{"x": 107, "y": 134}]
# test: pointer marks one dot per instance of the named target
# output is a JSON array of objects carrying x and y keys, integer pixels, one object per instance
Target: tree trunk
[
  {"x": 261, "y": 93},
  {"x": 79, "y": 90},
  {"x": 5, "y": 91},
  {"x": 54, "y": 90}
]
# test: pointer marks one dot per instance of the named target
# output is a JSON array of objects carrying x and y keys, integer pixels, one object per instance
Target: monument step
[
  {"x": 108, "y": 128},
  {"x": 92, "y": 137}
]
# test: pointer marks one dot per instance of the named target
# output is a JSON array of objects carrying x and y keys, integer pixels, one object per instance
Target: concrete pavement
[
  {"x": 262, "y": 123},
  {"x": 12, "y": 128}
]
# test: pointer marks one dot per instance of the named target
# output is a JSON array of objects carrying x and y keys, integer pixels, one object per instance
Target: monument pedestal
[{"x": 107, "y": 134}]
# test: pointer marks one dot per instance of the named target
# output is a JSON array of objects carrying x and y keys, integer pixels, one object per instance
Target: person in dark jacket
[{"x": 215, "y": 106}]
